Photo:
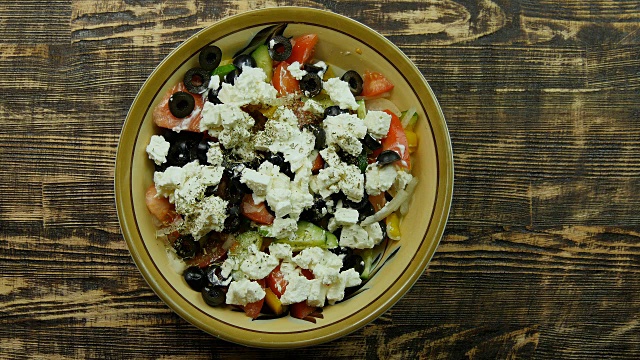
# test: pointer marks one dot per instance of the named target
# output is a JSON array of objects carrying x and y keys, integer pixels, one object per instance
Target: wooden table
[{"x": 541, "y": 257}]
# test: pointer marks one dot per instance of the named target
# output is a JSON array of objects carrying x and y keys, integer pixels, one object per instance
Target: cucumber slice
[
  {"x": 310, "y": 235},
  {"x": 412, "y": 121},
  {"x": 263, "y": 60},
  {"x": 367, "y": 258},
  {"x": 362, "y": 110},
  {"x": 243, "y": 241},
  {"x": 223, "y": 70},
  {"x": 324, "y": 100}
]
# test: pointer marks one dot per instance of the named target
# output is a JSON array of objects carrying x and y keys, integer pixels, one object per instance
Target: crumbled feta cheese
[
  {"x": 313, "y": 107},
  {"x": 346, "y": 278},
  {"x": 355, "y": 237},
  {"x": 345, "y": 130},
  {"x": 177, "y": 264},
  {"x": 402, "y": 180},
  {"x": 243, "y": 292},
  {"x": 336, "y": 177},
  {"x": 317, "y": 293},
  {"x": 258, "y": 265},
  {"x": 340, "y": 94},
  {"x": 309, "y": 257},
  {"x": 214, "y": 154},
  {"x": 322, "y": 65},
  {"x": 375, "y": 232},
  {"x": 328, "y": 268},
  {"x": 229, "y": 266},
  {"x": 158, "y": 149},
  {"x": 379, "y": 178},
  {"x": 281, "y": 228},
  {"x": 208, "y": 215},
  {"x": 251, "y": 87},
  {"x": 281, "y": 251},
  {"x": 214, "y": 83},
  {"x": 296, "y": 71},
  {"x": 297, "y": 290},
  {"x": 377, "y": 123},
  {"x": 345, "y": 216},
  {"x": 257, "y": 182}
]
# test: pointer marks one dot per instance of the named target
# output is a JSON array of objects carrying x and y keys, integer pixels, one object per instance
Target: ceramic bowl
[{"x": 346, "y": 44}]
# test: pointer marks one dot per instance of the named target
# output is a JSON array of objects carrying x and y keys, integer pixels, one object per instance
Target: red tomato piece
[
  {"x": 283, "y": 81},
  {"x": 378, "y": 201},
  {"x": 301, "y": 310},
  {"x": 303, "y": 48},
  {"x": 317, "y": 165},
  {"x": 374, "y": 84},
  {"x": 396, "y": 140},
  {"x": 276, "y": 282},
  {"x": 163, "y": 117},
  {"x": 256, "y": 212},
  {"x": 160, "y": 207},
  {"x": 212, "y": 251},
  {"x": 253, "y": 309},
  {"x": 307, "y": 273}
]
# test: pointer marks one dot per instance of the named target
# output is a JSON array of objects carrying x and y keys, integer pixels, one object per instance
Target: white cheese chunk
[
  {"x": 317, "y": 293},
  {"x": 296, "y": 71},
  {"x": 377, "y": 122},
  {"x": 215, "y": 156},
  {"x": 243, "y": 292},
  {"x": 281, "y": 251},
  {"x": 258, "y": 265},
  {"x": 313, "y": 107},
  {"x": 281, "y": 228},
  {"x": 355, "y": 237},
  {"x": 345, "y": 216},
  {"x": 345, "y": 130},
  {"x": 158, "y": 149},
  {"x": 340, "y": 94},
  {"x": 251, "y": 87},
  {"x": 379, "y": 178}
]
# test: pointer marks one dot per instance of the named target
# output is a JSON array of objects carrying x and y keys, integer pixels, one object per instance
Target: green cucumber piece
[
  {"x": 310, "y": 235},
  {"x": 223, "y": 70},
  {"x": 412, "y": 121},
  {"x": 263, "y": 60},
  {"x": 367, "y": 258},
  {"x": 244, "y": 241},
  {"x": 362, "y": 110},
  {"x": 324, "y": 100}
]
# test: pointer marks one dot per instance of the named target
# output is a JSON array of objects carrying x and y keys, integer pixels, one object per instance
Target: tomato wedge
[
  {"x": 317, "y": 165},
  {"x": 160, "y": 207},
  {"x": 256, "y": 212},
  {"x": 301, "y": 310},
  {"x": 211, "y": 251},
  {"x": 377, "y": 201},
  {"x": 396, "y": 140},
  {"x": 283, "y": 81},
  {"x": 276, "y": 282},
  {"x": 374, "y": 83},
  {"x": 253, "y": 309},
  {"x": 303, "y": 48}
]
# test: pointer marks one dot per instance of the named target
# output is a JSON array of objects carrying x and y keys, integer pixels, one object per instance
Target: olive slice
[
  {"x": 196, "y": 80},
  {"x": 388, "y": 157},
  {"x": 213, "y": 295},
  {"x": 354, "y": 80},
  {"x": 279, "y": 48},
  {"x": 210, "y": 57},
  {"x": 244, "y": 60},
  {"x": 195, "y": 278},
  {"x": 181, "y": 104},
  {"x": 311, "y": 84},
  {"x": 185, "y": 246},
  {"x": 371, "y": 143}
]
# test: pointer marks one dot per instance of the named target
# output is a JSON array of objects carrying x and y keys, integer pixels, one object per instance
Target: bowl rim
[{"x": 437, "y": 222}]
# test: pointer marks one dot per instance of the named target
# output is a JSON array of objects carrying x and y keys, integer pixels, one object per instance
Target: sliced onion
[
  {"x": 228, "y": 242},
  {"x": 391, "y": 206},
  {"x": 411, "y": 187},
  {"x": 407, "y": 117},
  {"x": 382, "y": 104},
  {"x": 373, "y": 97}
]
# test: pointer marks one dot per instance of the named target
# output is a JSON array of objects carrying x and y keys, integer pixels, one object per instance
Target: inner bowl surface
[{"x": 347, "y": 45}]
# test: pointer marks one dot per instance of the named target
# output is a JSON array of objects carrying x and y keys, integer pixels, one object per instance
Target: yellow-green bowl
[{"x": 344, "y": 43}]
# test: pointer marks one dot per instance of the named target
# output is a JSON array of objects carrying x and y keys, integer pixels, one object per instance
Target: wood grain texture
[{"x": 541, "y": 257}]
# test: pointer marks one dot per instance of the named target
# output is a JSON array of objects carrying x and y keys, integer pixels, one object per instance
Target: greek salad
[{"x": 276, "y": 173}]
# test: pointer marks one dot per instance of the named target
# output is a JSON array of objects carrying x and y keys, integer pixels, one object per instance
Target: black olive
[
  {"x": 356, "y": 205},
  {"x": 388, "y": 157},
  {"x": 366, "y": 211},
  {"x": 319, "y": 134},
  {"x": 371, "y": 143},
  {"x": 195, "y": 278},
  {"x": 201, "y": 151},
  {"x": 185, "y": 246},
  {"x": 160, "y": 168},
  {"x": 354, "y": 261},
  {"x": 383, "y": 227},
  {"x": 346, "y": 251},
  {"x": 311, "y": 84},
  {"x": 212, "y": 96},
  {"x": 244, "y": 60},
  {"x": 314, "y": 213},
  {"x": 231, "y": 77},
  {"x": 354, "y": 80},
  {"x": 213, "y": 295},
  {"x": 210, "y": 190},
  {"x": 279, "y": 48},
  {"x": 179, "y": 153},
  {"x": 181, "y": 104},
  {"x": 212, "y": 274},
  {"x": 233, "y": 221},
  {"x": 210, "y": 57},
  {"x": 285, "y": 166},
  {"x": 313, "y": 69},
  {"x": 196, "y": 80},
  {"x": 334, "y": 111}
]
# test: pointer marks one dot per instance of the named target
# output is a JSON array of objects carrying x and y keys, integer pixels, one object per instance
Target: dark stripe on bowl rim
[{"x": 369, "y": 303}]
